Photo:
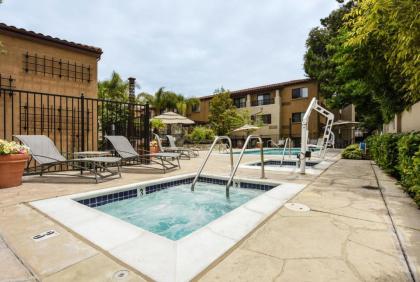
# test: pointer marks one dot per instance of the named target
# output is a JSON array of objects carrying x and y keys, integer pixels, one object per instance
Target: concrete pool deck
[{"x": 347, "y": 236}]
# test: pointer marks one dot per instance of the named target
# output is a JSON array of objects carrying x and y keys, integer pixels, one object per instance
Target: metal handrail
[
  {"x": 208, "y": 155},
  {"x": 284, "y": 149},
  {"x": 240, "y": 158}
]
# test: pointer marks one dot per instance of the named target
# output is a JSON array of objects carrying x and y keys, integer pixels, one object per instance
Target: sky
[{"x": 189, "y": 47}]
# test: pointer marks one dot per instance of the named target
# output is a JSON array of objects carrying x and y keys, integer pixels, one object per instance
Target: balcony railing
[{"x": 263, "y": 102}]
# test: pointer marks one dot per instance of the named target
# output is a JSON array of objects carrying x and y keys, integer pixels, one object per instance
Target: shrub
[
  {"x": 384, "y": 150},
  {"x": 409, "y": 163},
  {"x": 352, "y": 152},
  {"x": 200, "y": 134},
  {"x": 399, "y": 154}
]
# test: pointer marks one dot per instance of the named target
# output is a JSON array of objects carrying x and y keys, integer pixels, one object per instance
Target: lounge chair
[
  {"x": 182, "y": 153},
  {"x": 46, "y": 154},
  {"x": 126, "y": 151},
  {"x": 172, "y": 146}
]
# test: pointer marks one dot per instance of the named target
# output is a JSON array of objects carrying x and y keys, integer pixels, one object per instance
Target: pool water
[
  {"x": 177, "y": 212},
  {"x": 273, "y": 151}
]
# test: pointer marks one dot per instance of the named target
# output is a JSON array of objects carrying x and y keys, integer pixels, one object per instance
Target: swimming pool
[
  {"x": 273, "y": 151},
  {"x": 163, "y": 229}
]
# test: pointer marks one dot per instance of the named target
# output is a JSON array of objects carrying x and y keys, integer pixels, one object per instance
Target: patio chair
[
  {"x": 182, "y": 153},
  {"x": 172, "y": 146},
  {"x": 46, "y": 154},
  {"x": 126, "y": 151}
]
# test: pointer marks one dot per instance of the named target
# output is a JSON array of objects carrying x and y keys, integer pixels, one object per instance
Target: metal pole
[{"x": 82, "y": 120}]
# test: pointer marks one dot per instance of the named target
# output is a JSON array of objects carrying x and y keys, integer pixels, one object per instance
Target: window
[
  {"x": 195, "y": 108},
  {"x": 265, "y": 119},
  {"x": 297, "y": 117},
  {"x": 300, "y": 93},
  {"x": 263, "y": 99},
  {"x": 240, "y": 102}
]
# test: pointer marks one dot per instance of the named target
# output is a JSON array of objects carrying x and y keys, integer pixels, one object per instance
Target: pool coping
[
  {"x": 312, "y": 170},
  {"x": 156, "y": 256}
]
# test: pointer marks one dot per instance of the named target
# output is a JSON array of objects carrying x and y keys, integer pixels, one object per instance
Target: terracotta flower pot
[
  {"x": 154, "y": 149},
  {"x": 11, "y": 169}
]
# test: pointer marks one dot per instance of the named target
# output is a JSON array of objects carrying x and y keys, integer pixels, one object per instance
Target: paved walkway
[{"x": 347, "y": 236}]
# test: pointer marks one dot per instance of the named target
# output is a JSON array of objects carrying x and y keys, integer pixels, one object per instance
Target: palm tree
[
  {"x": 114, "y": 89},
  {"x": 167, "y": 100}
]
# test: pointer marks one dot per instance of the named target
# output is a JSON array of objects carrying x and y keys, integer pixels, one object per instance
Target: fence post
[
  {"x": 131, "y": 100},
  {"x": 82, "y": 120},
  {"x": 147, "y": 128}
]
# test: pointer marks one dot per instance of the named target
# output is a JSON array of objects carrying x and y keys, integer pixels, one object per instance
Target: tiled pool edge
[{"x": 120, "y": 240}]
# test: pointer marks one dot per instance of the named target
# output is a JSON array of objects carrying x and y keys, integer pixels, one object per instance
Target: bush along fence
[{"x": 399, "y": 155}]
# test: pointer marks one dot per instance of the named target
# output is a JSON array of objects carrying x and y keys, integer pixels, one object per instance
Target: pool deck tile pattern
[{"x": 347, "y": 236}]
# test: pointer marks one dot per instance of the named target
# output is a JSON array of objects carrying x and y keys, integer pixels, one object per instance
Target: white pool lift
[{"x": 304, "y": 135}]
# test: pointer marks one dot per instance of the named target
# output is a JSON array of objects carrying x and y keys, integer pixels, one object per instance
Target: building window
[
  {"x": 300, "y": 93},
  {"x": 195, "y": 108},
  {"x": 240, "y": 102},
  {"x": 263, "y": 99},
  {"x": 265, "y": 119},
  {"x": 297, "y": 117}
]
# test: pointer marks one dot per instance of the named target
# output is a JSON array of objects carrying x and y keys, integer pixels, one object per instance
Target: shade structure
[
  {"x": 246, "y": 127},
  {"x": 173, "y": 118}
]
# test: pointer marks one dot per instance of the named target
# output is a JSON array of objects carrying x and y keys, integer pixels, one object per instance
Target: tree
[
  {"x": 395, "y": 28},
  {"x": 114, "y": 88},
  {"x": 168, "y": 101},
  {"x": 352, "y": 65},
  {"x": 224, "y": 117}
]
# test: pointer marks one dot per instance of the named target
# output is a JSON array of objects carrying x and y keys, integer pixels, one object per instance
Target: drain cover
[
  {"x": 120, "y": 274},
  {"x": 297, "y": 207},
  {"x": 45, "y": 235}
]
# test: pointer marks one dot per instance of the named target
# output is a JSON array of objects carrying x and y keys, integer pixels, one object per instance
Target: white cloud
[{"x": 191, "y": 47}]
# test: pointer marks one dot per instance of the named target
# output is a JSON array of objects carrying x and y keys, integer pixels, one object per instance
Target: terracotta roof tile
[
  {"x": 262, "y": 88},
  {"x": 30, "y": 33}
]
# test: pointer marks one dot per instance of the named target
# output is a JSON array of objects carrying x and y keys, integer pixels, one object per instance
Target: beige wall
[
  {"x": 56, "y": 123},
  {"x": 12, "y": 63},
  {"x": 406, "y": 121}
]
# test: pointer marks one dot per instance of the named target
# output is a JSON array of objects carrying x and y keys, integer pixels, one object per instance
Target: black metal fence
[{"x": 74, "y": 123}]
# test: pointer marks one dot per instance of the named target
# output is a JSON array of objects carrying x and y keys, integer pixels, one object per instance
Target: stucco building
[
  {"x": 42, "y": 79},
  {"x": 279, "y": 106}
]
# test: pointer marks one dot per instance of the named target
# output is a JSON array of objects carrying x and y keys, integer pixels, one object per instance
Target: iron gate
[{"x": 73, "y": 123}]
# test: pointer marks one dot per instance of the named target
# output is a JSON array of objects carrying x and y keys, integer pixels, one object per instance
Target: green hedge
[
  {"x": 399, "y": 155},
  {"x": 352, "y": 152}
]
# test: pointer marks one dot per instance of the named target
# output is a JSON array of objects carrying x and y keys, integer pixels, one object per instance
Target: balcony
[{"x": 267, "y": 101}]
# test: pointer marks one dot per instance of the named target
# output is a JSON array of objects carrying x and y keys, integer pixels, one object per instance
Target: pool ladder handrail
[
  {"x": 216, "y": 139},
  {"x": 240, "y": 158},
  {"x": 284, "y": 149}
]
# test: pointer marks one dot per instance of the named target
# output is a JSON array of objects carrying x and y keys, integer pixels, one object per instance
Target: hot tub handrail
[
  {"x": 216, "y": 139},
  {"x": 240, "y": 158},
  {"x": 288, "y": 141}
]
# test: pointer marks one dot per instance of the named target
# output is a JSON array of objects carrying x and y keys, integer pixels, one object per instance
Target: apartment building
[{"x": 279, "y": 106}]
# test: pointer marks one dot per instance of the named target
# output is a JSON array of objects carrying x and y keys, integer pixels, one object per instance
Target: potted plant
[
  {"x": 13, "y": 158},
  {"x": 154, "y": 148}
]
